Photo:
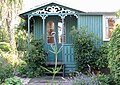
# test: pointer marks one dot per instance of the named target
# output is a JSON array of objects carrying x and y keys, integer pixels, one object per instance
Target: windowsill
[{"x": 106, "y": 40}]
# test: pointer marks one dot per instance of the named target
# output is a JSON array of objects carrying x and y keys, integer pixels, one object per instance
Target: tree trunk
[{"x": 10, "y": 28}]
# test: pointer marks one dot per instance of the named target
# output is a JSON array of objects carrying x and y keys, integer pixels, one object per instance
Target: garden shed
[{"x": 54, "y": 17}]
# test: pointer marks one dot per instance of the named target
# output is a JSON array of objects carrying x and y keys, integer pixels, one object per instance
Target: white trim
[{"x": 105, "y": 26}]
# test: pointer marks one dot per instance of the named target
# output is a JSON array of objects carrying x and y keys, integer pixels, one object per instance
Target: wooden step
[{"x": 51, "y": 65}]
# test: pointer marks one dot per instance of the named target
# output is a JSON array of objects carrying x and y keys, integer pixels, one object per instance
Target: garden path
[{"x": 46, "y": 81}]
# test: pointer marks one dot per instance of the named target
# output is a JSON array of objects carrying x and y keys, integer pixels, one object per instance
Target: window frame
[
  {"x": 105, "y": 26},
  {"x": 64, "y": 32},
  {"x": 53, "y": 31}
]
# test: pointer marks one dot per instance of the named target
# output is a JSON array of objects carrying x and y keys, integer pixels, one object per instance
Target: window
[
  {"x": 60, "y": 32},
  {"x": 50, "y": 29},
  {"x": 109, "y": 26}
]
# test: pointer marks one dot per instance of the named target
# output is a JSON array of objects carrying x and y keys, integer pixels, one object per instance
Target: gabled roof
[
  {"x": 43, "y": 6},
  {"x": 24, "y": 14}
]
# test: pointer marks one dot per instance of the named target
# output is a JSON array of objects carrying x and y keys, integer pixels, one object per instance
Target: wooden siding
[
  {"x": 38, "y": 30},
  {"x": 70, "y": 21},
  {"x": 94, "y": 24},
  {"x": 68, "y": 58}
]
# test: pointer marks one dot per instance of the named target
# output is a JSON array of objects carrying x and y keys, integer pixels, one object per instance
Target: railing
[
  {"x": 68, "y": 58},
  {"x": 68, "y": 54}
]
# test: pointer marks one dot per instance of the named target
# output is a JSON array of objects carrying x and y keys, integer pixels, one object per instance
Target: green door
[{"x": 53, "y": 24}]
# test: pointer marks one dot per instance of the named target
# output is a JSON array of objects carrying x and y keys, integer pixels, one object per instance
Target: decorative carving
[
  {"x": 30, "y": 16},
  {"x": 53, "y": 9}
]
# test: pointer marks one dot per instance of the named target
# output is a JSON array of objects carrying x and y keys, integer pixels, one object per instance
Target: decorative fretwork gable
[{"x": 53, "y": 10}]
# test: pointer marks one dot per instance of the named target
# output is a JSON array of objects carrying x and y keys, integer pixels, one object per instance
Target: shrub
[
  {"x": 102, "y": 61},
  {"x": 22, "y": 68},
  {"x": 6, "y": 70},
  {"x": 21, "y": 36},
  {"x": 107, "y": 80},
  {"x": 114, "y": 53},
  {"x": 32, "y": 66},
  {"x": 3, "y": 35},
  {"x": 38, "y": 57},
  {"x": 85, "y": 48},
  {"x": 4, "y": 46}
]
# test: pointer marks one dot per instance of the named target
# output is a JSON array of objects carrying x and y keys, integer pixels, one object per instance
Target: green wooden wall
[
  {"x": 93, "y": 23},
  {"x": 70, "y": 21},
  {"x": 38, "y": 28}
]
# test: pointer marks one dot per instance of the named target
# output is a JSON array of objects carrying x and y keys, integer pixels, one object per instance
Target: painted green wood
[
  {"x": 70, "y": 21},
  {"x": 23, "y": 15},
  {"x": 94, "y": 24},
  {"x": 68, "y": 54},
  {"x": 68, "y": 58},
  {"x": 51, "y": 56},
  {"x": 78, "y": 23},
  {"x": 38, "y": 28}
]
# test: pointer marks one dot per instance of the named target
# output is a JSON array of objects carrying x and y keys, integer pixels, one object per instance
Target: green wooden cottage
[{"x": 54, "y": 17}]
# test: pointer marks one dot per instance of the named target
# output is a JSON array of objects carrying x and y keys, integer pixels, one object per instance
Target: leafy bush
[
  {"x": 21, "y": 36},
  {"x": 12, "y": 81},
  {"x": 85, "y": 49},
  {"x": 4, "y": 46},
  {"x": 32, "y": 67},
  {"x": 4, "y": 35},
  {"x": 114, "y": 53},
  {"x": 22, "y": 68},
  {"x": 102, "y": 62},
  {"x": 6, "y": 70},
  {"x": 107, "y": 80}
]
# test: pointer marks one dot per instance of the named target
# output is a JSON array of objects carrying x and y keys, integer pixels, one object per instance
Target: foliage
[
  {"x": 22, "y": 67},
  {"x": 10, "y": 58},
  {"x": 8, "y": 18},
  {"x": 32, "y": 66},
  {"x": 4, "y": 46},
  {"x": 6, "y": 70},
  {"x": 3, "y": 35},
  {"x": 12, "y": 81},
  {"x": 102, "y": 61},
  {"x": 107, "y": 80},
  {"x": 114, "y": 53},
  {"x": 82, "y": 79},
  {"x": 85, "y": 48},
  {"x": 118, "y": 14},
  {"x": 21, "y": 36},
  {"x": 55, "y": 51}
]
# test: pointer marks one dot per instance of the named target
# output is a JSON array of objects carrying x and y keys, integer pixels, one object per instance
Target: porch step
[{"x": 51, "y": 65}]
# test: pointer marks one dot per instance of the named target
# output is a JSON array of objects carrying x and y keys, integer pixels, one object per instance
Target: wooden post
[
  {"x": 43, "y": 18},
  {"x": 29, "y": 17},
  {"x": 62, "y": 17}
]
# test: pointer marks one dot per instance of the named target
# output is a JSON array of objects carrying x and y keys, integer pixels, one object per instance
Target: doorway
[{"x": 54, "y": 24}]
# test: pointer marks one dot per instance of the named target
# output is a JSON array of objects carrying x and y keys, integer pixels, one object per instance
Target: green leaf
[{"x": 46, "y": 69}]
